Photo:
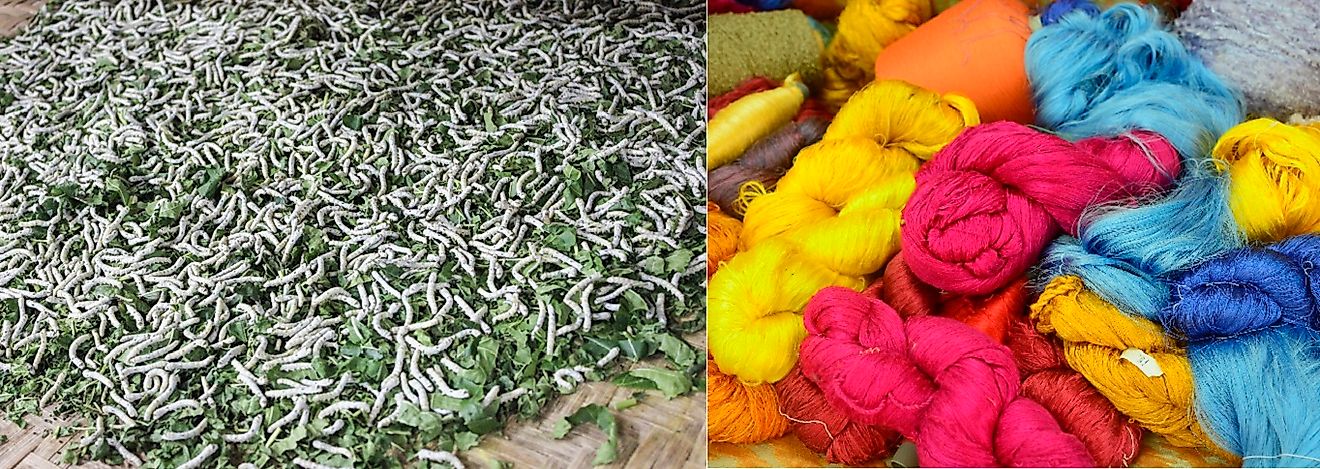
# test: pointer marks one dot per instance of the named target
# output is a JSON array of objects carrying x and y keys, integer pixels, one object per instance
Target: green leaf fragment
[
  {"x": 671, "y": 383},
  {"x": 604, "y": 420}
]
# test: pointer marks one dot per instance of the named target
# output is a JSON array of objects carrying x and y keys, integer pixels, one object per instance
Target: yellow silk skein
[
  {"x": 865, "y": 28},
  {"x": 740, "y": 124},
  {"x": 1274, "y": 178},
  {"x": 754, "y": 304},
  {"x": 1096, "y": 335},
  {"x": 842, "y": 201}
]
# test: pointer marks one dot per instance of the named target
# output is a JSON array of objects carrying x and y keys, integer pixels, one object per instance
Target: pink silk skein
[
  {"x": 939, "y": 382},
  {"x": 989, "y": 202}
]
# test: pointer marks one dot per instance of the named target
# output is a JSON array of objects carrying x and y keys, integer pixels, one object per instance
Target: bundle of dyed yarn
[
  {"x": 827, "y": 430},
  {"x": 1115, "y": 260},
  {"x": 1250, "y": 318},
  {"x": 841, "y": 200},
  {"x": 989, "y": 202},
  {"x": 865, "y": 27},
  {"x": 935, "y": 380}
]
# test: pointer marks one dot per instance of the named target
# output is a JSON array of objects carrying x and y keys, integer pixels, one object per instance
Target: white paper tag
[{"x": 1144, "y": 362}]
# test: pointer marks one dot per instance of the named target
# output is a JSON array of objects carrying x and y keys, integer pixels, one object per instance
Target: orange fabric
[{"x": 975, "y": 49}]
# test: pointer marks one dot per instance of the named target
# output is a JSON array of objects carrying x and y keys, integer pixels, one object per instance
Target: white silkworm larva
[
  {"x": 201, "y": 457},
  {"x": 329, "y": 448},
  {"x": 305, "y": 464},
  {"x": 254, "y": 428},
  {"x": 185, "y": 435},
  {"x": 440, "y": 456}
]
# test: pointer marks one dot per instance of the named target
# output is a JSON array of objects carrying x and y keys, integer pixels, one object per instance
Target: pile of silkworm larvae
[{"x": 195, "y": 196}]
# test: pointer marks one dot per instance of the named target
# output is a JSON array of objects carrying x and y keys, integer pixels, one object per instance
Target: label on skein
[{"x": 1144, "y": 362}]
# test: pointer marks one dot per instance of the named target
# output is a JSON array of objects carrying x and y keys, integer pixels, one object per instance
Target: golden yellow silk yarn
[
  {"x": 865, "y": 28},
  {"x": 1095, "y": 334}
]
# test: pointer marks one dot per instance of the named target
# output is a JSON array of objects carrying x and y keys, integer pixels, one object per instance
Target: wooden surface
[
  {"x": 36, "y": 446},
  {"x": 14, "y": 14},
  {"x": 657, "y": 432},
  {"x": 787, "y": 451}
]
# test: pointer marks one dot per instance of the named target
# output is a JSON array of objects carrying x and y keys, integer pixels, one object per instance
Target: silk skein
[
  {"x": 1111, "y": 437},
  {"x": 1274, "y": 178},
  {"x": 865, "y": 28},
  {"x": 1250, "y": 319},
  {"x": 1105, "y": 74},
  {"x": 826, "y": 430},
  {"x": 740, "y": 413},
  {"x": 840, "y": 202},
  {"x": 987, "y": 204},
  {"x": 810, "y": 107},
  {"x": 746, "y": 87},
  {"x": 740, "y": 124},
  {"x": 768, "y": 44},
  {"x": 1266, "y": 48},
  {"x": 754, "y": 304},
  {"x": 991, "y": 314},
  {"x": 765, "y": 162},
  {"x": 721, "y": 237},
  {"x": 937, "y": 381},
  {"x": 974, "y": 49}
]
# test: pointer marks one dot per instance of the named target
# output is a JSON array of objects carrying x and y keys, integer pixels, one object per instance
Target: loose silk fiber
[
  {"x": 841, "y": 200},
  {"x": 769, "y": 44},
  {"x": 865, "y": 28},
  {"x": 1266, "y": 48},
  {"x": 974, "y": 49},
  {"x": 937, "y": 381}
]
